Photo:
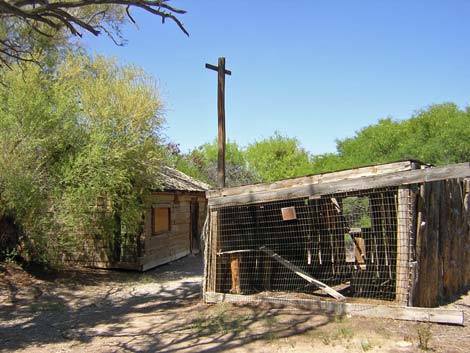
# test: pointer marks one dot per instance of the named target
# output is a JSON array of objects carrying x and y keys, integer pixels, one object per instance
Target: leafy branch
[{"x": 49, "y": 18}]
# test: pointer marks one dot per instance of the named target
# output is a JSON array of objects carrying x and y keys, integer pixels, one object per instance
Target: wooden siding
[
  {"x": 146, "y": 250},
  {"x": 159, "y": 249},
  {"x": 442, "y": 242}
]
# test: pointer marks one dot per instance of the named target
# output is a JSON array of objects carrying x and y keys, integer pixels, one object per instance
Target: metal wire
[{"x": 346, "y": 240}]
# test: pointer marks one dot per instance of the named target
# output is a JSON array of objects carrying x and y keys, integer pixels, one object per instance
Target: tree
[
  {"x": 438, "y": 135},
  {"x": 79, "y": 152},
  {"x": 377, "y": 143},
  {"x": 201, "y": 163},
  {"x": 433, "y": 135},
  {"x": 278, "y": 157},
  {"x": 26, "y": 25},
  {"x": 37, "y": 131}
]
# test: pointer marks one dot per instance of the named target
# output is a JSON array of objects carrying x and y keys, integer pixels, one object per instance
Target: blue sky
[{"x": 314, "y": 70}]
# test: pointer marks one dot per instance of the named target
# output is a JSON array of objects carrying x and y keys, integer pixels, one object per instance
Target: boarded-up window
[{"x": 161, "y": 220}]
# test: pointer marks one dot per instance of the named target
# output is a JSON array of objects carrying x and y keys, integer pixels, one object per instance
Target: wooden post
[
  {"x": 235, "y": 269},
  {"x": 403, "y": 246},
  {"x": 213, "y": 276},
  {"x": 221, "y": 118},
  {"x": 267, "y": 270}
]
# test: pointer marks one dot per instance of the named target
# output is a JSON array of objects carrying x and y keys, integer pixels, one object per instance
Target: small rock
[{"x": 404, "y": 344}]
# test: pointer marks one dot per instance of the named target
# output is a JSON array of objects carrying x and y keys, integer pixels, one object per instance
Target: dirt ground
[{"x": 161, "y": 311}]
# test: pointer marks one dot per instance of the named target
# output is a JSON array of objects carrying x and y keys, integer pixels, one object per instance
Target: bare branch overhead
[{"x": 49, "y": 17}]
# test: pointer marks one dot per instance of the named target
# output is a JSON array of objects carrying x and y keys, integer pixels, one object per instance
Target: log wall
[{"x": 442, "y": 242}]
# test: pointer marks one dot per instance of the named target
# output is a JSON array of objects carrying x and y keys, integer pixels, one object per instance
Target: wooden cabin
[
  {"x": 174, "y": 219},
  {"x": 396, "y": 233},
  {"x": 172, "y": 225}
]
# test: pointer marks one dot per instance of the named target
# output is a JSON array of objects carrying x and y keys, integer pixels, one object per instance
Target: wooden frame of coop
[{"x": 395, "y": 233}]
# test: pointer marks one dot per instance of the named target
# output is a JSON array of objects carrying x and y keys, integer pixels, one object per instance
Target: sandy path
[{"x": 160, "y": 311}]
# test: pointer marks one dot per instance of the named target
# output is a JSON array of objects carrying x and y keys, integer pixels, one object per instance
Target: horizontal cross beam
[{"x": 216, "y": 68}]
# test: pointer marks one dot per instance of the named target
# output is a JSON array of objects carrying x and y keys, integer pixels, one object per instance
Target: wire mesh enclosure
[
  {"x": 347, "y": 241},
  {"x": 387, "y": 233}
]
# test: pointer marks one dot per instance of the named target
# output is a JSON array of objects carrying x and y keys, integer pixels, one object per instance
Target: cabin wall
[
  {"x": 146, "y": 250},
  {"x": 158, "y": 249},
  {"x": 442, "y": 242},
  {"x": 104, "y": 251}
]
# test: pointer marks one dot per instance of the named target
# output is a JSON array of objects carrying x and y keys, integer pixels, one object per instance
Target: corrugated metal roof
[{"x": 174, "y": 180}]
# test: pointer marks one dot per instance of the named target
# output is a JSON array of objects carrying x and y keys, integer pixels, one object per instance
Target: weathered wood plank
[
  {"x": 180, "y": 228},
  {"x": 235, "y": 270},
  {"x": 428, "y": 252},
  {"x": 314, "y": 179},
  {"x": 368, "y": 182},
  {"x": 445, "y": 239},
  {"x": 466, "y": 225},
  {"x": 236, "y": 251},
  {"x": 267, "y": 272},
  {"x": 403, "y": 245},
  {"x": 359, "y": 252},
  {"x": 437, "y": 315},
  {"x": 207, "y": 236},
  {"x": 213, "y": 249},
  {"x": 153, "y": 261}
]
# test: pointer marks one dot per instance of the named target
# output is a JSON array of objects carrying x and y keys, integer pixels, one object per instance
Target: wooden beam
[
  {"x": 221, "y": 120},
  {"x": 338, "y": 287},
  {"x": 220, "y": 68},
  {"x": 368, "y": 182},
  {"x": 206, "y": 252},
  {"x": 437, "y": 315},
  {"x": 211, "y": 281},
  {"x": 403, "y": 246},
  {"x": 235, "y": 270},
  {"x": 359, "y": 252},
  {"x": 316, "y": 179},
  {"x": 236, "y": 251},
  {"x": 302, "y": 274},
  {"x": 216, "y": 68}
]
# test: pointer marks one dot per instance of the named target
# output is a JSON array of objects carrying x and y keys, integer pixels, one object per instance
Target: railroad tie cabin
[
  {"x": 171, "y": 229},
  {"x": 174, "y": 220},
  {"x": 396, "y": 233}
]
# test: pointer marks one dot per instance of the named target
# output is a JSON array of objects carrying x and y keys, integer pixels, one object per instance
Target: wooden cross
[{"x": 221, "y": 113}]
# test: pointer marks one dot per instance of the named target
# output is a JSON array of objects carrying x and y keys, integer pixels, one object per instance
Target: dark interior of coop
[{"x": 347, "y": 241}]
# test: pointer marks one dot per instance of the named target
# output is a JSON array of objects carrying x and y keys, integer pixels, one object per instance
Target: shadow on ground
[{"x": 159, "y": 311}]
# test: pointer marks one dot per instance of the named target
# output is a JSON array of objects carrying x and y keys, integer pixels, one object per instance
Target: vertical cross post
[{"x": 220, "y": 68}]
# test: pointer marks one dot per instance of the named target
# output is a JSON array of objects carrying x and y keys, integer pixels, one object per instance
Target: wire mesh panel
[{"x": 347, "y": 241}]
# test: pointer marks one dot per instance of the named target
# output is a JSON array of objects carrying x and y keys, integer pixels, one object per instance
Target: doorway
[{"x": 194, "y": 227}]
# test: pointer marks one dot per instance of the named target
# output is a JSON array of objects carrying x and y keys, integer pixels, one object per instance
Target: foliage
[
  {"x": 356, "y": 211},
  {"x": 434, "y": 135},
  {"x": 438, "y": 135},
  {"x": 27, "y": 25},
  {"x": 424, "y": 336},
  {"x": 119, "y": 120},
  {"x": 278, "y": 157},
  {"x": 79, "y": 150},
  {"x": 270, "y": 159},
  {"x": 220, "y": 321},
  {"x": 201, "y": 163},
  {"x": 36, "y": 119}
]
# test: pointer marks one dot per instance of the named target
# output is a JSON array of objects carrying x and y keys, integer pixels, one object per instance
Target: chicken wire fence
[{"x": 347, "y": 241}]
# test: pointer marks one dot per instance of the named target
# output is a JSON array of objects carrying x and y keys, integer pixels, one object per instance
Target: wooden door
[{"x": 194, "y": 231}]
